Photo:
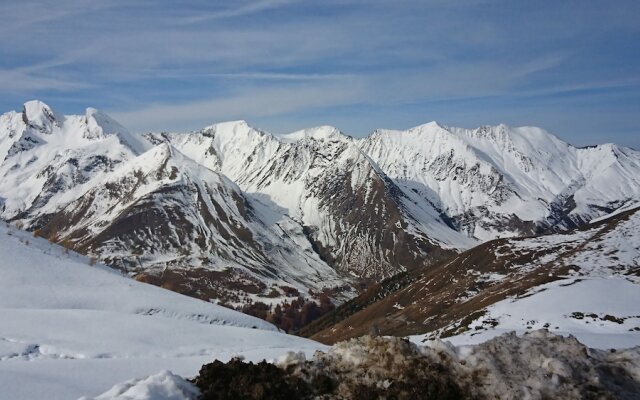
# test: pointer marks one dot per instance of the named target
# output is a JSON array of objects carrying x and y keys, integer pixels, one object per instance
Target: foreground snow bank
[
  {"x": 536, "y": 365},
  {"x": 38, "y": 275},
  {"x": 68, "y": 328}
]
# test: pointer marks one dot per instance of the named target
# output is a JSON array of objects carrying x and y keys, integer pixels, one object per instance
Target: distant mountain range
[{"x": 238, "y": 215}]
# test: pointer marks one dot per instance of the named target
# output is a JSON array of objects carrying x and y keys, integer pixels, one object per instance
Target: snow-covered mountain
[
  {"x": 149, "y": 210},
  {"x": 162, "y": 211},
  {"x": 356, "y": 217},
  {"x": 234, "y": 213},
  {"x": 49, "y": 159},
  {"x": 585, "y": 282},
  {"x": 69, "y": 328},
  {"x": 497, "y": 181},
  {"x": 443, "y": 187}
]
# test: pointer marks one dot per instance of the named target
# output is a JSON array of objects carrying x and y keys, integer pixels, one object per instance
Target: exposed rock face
[{"x": 355, "y": 216}]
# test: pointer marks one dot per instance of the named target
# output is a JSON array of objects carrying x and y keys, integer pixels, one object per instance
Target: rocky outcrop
[{"x": 536, "y": 365}]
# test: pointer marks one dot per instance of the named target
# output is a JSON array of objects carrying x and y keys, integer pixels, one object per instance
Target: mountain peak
[
  {"x": 502, "y": 132},
  {"x": 238, "y": 122},
  {"x": 431, "y": 125},
  {"x": 323, "y": 132},
  {"x": 40, "y": 116},
  {"x": 428, "y": 128},
  {"x": 100, "y": 124},
  {"x": 233, "y": 130},
  {"x": 229, "y": 125},
  {"x": 98, "y": 120}
]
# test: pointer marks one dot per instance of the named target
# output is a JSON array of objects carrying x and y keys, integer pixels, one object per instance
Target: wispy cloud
[
  {"x": 236, "y": 9},
  {"x": 224, "y": 59},
  {"x": 21, "y": 82},
  {"x": 17, "y": 17},
  {"x": 297, "y": 92},
  {"x": 248, "y": 102}
]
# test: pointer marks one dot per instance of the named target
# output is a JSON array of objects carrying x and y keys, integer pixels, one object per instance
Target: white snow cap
[
  {"x": 40, "y": 116},
  {"x": 100, "y": 124},
  {"x": 324, "y": 132}
]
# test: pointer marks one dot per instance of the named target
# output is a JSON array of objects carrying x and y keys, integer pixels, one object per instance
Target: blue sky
[{"x": 571, "y": 67}]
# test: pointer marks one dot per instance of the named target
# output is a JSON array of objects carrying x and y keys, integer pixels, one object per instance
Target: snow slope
[
  {"x": 70, "y": 329},
  {"x": 600, "y": 312},
  {"x": 597, "y": 301}
]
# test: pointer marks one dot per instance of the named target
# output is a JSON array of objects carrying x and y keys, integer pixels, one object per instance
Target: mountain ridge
[{"x": 314, "y": 210}]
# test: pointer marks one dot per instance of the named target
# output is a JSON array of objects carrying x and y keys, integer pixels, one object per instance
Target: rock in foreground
[{"x": 538, "y": 365}]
